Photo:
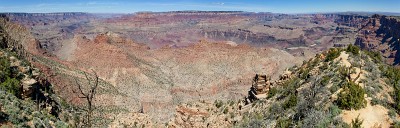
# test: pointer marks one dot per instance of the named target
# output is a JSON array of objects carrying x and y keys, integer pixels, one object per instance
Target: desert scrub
[
  {"x": 325, "y": 80},
  {"x": 11, "y": 85},
  {"x": 344, "y": 72},
  {"x": 351, "y": 97},
  {"x": 226, "y": 110},
  {"x": 332, "y": 54},
  {"x": 304, "y": 73},
  {"x": 272, "y": 92},
  {"x": 396, "y": 97},
  {"x": 289, "y": 87},
  {"x": 19, "y": 112},
  {"x": 290, "y": 102},
  {"x": 218, "y": 103},
  {"x": 375, "y": 56},
  {"x": 355, "y": 50},
  {"x": 283, "y": 123},
  {"x": 357, "y": 122},
  {"x": 373, "y": 88}
]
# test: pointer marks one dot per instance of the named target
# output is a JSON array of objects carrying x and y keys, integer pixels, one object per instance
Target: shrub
[
  {"x": 218, "y": 103},
  {"x": 344, "y": 72},
  {"x": 315, "y": 62},
  {"x": 272, "y": 92},
  {"x": 226, "y": 110},
  {"x": 11, "y": 85},
  {"x": 324, "y": 66},
  {"x": 356, "y": 123},
  {"x": 333, "y": 53},
  {"x": 392, "y": 73},
  {"x": 4, "y": 69},
  {"x": 290, "y": 86},
  {"x": 396, "y": 124},
  {"x": 375, "y": 56},
  {"x": 314, "y": 119},
  {"x": 255, "y": 123},
  {"x": 304, "y": 73},
  {"x": 275, "y": 110},
  {"x": 325, "y": 80},
  {"x": 231, "y": 103},
  {"x": 397, "y": 98},
  {"x": 283, "y": 123},
  {"x": 334, "y": 88},
  {"x": 351, "y": 97},
  {"x": 392, "y": 113},
  {"x": 334, "y": 110},
  {"x": 353, "y": 49},
  {"x": 290, "y": 102}
]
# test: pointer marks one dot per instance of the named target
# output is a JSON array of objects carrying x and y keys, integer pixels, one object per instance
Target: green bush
[
  {"x": 396, "y": 124},
  {"x": 316, "y": 119},
  {"x": 11, "y": 85},
  {"x": 325, "y": 80},
  {"x": 290, "y": 102},
  {"x": 324, "y": 66},
  {"x": 353, "y": 49},
  {"x": 397, "y": 98},
  {"x": 9, "y": 78},
  {"x": 375, "y": 56},
  {"x": 60, "y": 124},
  {"x": 351, "y": 97},
  {"x": 218, "y": 103},
  {"x": 344, "y": 72},
  {"x": 226, "y": 110},
  {"x": 334, "y": 88},
  {"x": 290, "y": 86},
  {"x": 4, "y": 69},
  {"x": 392, "y": 113},
  {"x": 356, "y": 123},
  {"x": 392, "y": 73},
  {"x": 332, "y": 54},
  {"x": 304, "y": 73},
  {"x": 272, "y": 92},
  {"x": 334, "y": 110},
  {"x": 283, "y": 123},
  {"x": 275, "y": 110},
  {"x": 393, "y": 77}
]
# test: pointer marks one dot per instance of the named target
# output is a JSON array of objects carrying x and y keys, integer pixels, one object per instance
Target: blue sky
[{"x": 131, "y": 6}]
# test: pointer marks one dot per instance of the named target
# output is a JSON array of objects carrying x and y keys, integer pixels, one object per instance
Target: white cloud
[{"x": 219, "y": 3}]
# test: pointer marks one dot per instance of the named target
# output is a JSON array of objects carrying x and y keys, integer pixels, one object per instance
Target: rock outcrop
[
  {"x": 260, "y": 87},
  {"x": 376, "y": 33}
]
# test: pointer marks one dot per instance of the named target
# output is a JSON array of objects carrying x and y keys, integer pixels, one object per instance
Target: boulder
[
  {"x": 27, "y": 86},
  {"x": 14, "y": 61}
]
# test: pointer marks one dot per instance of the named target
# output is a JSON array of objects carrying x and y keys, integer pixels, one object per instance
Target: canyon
[{"x": 151, "y": 62}]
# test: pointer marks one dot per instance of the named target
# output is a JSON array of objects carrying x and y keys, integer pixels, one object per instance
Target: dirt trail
[
  {"x": 344, "y": 59},
  {"x": 373, "y": 116}
]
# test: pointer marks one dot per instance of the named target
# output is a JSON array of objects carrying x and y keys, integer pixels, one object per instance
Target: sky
[{"x": 132, "y": 6}]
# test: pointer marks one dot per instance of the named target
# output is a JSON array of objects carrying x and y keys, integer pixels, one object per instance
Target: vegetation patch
[
  {"x": 333, "y": 53},
  {"x": 355, "y": 50},
  {"x": 351, "y": 97}
]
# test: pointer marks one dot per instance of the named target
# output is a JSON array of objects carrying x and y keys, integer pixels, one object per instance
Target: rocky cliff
[
  {"x": 39, "y": 19},
  {"x": 377, "y": 33},
  {"x": 149, "y": 63}
]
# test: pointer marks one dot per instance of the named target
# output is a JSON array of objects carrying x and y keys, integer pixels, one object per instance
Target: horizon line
[{"x": 203, "y": 11}]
